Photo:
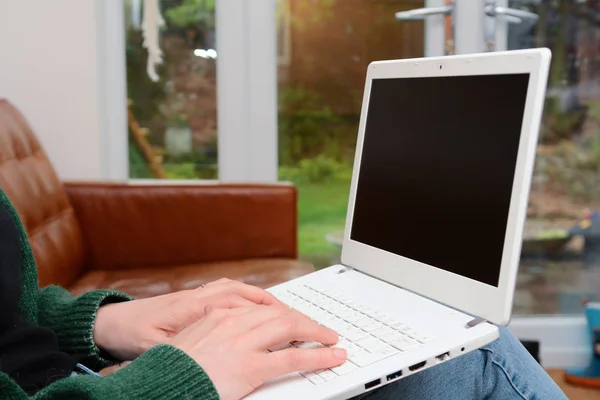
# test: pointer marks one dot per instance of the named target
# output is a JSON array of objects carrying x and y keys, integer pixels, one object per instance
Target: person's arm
[
  {"x": 163, "y": 372},
  {"x": 72, "y": 319}
]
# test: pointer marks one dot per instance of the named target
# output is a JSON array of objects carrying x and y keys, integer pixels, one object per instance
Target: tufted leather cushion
[
  {"x": 28, "y": 179},
  {"x": 156, "y": 281}
]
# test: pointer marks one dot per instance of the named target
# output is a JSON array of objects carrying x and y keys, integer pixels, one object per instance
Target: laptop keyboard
[{"x": 367, "y": 335}]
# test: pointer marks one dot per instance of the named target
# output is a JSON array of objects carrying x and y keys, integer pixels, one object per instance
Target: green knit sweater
[{"x": 163, "y": 372}]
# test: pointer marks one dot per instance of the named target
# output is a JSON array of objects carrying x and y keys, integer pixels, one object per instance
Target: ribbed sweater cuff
[
  {"x": 75, "y": 326},
  {"x": 164, "y": 372}
]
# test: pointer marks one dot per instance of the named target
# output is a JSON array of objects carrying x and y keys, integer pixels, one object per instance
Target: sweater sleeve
[
  {"x": 163, "y": 372},
  {"x": 72, "y": 320}
]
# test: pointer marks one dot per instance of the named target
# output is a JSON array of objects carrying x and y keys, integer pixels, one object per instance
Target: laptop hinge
[
  {"x": 345, "y": 269},
  {"x": 474, "y": 322}
]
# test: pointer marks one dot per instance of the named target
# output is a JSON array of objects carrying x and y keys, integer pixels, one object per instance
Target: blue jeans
[{"x": 502, "y": 370}]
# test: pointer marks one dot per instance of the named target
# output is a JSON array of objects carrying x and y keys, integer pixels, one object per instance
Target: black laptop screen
[{"x": 437, "y": 170}]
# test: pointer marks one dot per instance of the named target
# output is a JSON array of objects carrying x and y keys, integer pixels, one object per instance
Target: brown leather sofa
[{"x": 142, "y": 238}]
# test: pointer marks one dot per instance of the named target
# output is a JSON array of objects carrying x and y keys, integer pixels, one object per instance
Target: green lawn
[{"x": 322, "y": 210}]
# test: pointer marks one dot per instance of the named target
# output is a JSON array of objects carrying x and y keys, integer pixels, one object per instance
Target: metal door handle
[
  {"x": 422, "y": 13},
  {"x": 512, "y": 15}
]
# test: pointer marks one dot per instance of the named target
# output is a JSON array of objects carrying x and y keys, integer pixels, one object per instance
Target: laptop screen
[{"x": 437, "y": 169}]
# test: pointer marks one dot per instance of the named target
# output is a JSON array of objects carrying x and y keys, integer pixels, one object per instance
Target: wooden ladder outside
[{"x": 140, "y": 138}]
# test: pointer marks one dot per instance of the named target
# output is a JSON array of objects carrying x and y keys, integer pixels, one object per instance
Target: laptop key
[
  {"x": 381, "y": 332},
  {"x": 372, "y": 326},
  {"x": 342, "y": 299},
  {"x": 364, "y": 358},
  {"x": 385, "y": 352},
  {"x": 371, "y": 344},
  {"x": 367, "y": 311},
  {"x": 335, "y": 323},
  {"x": 375, "y": 348},
  {"x": 325, "y": 303},
  {"x": 339, "y": 326},
  {"x": 335, "y": 308},
  {"x": 328, "y": 375},
  {"x": 353, "y": 350},
  {"x": 392, "y": 337},
  {"x": 343, "y": 344},
  {"x": 403, "y": 344},
  {"x": 344, "y": 368},
  {"x": 379, "y": 316},
  {"x": 365, "y": 341},
  {"x": 346, "y": 313},
  {"x": 355, "y": 318},
  {"x": 424, "y": 339},
  {"x": 316, "y": 379},
  {"x": 320, "y": 316},
  {"x": 353, "y": 334},
  {"x": 366, "y": 321},
  {"x": 398, "y": 326},
  {"x": 388, "y": 320},
  {"x": 411, "y": 334},
  {"x": 350, "y": 348},
  {"x": 352, "y": 304}
]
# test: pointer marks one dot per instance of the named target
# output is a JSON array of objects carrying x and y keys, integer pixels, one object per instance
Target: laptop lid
[{"x": 442, "y": 171}]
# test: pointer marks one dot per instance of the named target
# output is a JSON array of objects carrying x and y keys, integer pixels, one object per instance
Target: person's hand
[
  {"x": 230, "y": 346},
  {"x": 113, "y": 368},
  {"x": 126, "y": 330}
]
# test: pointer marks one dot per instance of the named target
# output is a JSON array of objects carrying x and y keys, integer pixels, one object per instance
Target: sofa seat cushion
[{"x": 149, "y": 282}]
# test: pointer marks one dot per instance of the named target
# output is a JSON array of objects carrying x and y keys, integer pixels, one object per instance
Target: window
[
  {"x": 561, "y": 253},
  {"x": 173, "y": 122},
  {"x": 324, "y": 48}
]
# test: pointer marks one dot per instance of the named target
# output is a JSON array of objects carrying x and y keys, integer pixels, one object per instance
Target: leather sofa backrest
[{"x": 29, "y": 180}]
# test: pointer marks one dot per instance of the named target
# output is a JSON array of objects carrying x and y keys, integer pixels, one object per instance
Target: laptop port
[
  {"x": 395, "y": 375},
  {"x": 417, "y": 366},
  {"x": 442, "y": 357},
  {"x": 372, "y": 384}
]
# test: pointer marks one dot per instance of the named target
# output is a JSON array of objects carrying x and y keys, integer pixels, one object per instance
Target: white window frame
[
  {"x": 564, "y": 340},
  {"x": 501, "y": 29},
  {"x": 112, "y": 89},
  {"x": 246, "y": 90},
  {"x": 435, "y": 31}
]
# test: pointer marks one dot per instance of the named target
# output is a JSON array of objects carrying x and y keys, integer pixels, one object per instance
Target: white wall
[{"x": 51, "y": 67}]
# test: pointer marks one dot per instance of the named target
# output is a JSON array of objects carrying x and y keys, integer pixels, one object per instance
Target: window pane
[
  {"x": 561, "y": 256},
  {"x": 177, "y": 114},
  {"x": 324, "y": 48}
]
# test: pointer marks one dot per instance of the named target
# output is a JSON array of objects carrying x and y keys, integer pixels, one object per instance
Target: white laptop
[{"x": 438, "y": 200}]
